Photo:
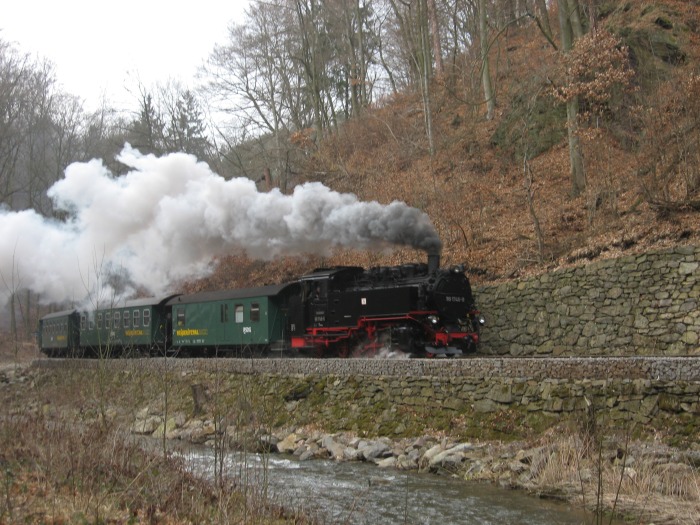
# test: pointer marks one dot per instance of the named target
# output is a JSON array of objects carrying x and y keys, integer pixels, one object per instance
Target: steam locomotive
[{"x": 419, "y": 309}]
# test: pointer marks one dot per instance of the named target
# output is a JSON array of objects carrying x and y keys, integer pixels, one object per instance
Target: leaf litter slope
[{"x": 475, "y": 186}]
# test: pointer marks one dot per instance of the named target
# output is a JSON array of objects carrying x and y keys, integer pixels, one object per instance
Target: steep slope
[{"x": 505, "y": 217}]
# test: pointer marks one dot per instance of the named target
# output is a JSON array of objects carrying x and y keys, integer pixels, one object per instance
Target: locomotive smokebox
[{"x": 433, "y": 262}]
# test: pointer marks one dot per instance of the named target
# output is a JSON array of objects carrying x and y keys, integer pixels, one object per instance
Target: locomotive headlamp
[
  {"x": 433, "y": 319},
  {"x": 482, "y": 321}
]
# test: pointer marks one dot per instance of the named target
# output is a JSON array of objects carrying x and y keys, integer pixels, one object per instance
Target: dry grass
[
  {"x": 645, "y": 486},
  {"x": 20, "y": 352},
  {"x": 63, "y": 459},
  {"x": 54, "y": 473}
]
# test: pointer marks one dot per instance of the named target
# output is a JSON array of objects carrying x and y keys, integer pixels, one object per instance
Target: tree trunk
[
  {"x": 544, "y": 17},
  {"x": 485, "y": 69},
  {"x": 574, "y": 12},
  {"x": 13, "y": 317},
  {"x": 578, "y": 175},
  {"x": 435, "y": 36},
  {"x": 27, "y": 314}
]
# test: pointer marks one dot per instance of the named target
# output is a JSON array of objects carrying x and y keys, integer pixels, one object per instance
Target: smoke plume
[{"x": 168, "y": 217}]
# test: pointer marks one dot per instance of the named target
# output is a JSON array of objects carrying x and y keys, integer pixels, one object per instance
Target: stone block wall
[
  {"x": 634, "y": 400},
  {"x": 646, "y": 304},
  {"x": 411, "y": 396}
]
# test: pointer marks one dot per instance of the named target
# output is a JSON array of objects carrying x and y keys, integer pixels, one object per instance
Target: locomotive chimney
[{"x": 433, "y": 262}]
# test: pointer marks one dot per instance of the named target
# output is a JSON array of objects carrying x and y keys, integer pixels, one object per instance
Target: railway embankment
[{"x": 481, "y": 397}]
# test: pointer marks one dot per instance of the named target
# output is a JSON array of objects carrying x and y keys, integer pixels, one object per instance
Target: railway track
[{"x": 538, "y": 368}]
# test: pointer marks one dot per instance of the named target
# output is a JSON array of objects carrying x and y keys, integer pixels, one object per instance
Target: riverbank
[
  {"x": 629, "y": 470},
  {"x": 61, "y": 464}
]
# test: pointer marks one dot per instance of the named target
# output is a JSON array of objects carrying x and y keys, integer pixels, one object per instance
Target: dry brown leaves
[{"x": 475, "y": 192}]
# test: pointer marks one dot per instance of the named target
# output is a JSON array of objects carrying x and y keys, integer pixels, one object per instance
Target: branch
[{"x": 546, "y": 35}]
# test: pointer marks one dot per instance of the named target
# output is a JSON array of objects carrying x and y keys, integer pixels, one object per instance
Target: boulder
[
  {"x": 288, "y": 445},
  {"x": 335, "y": 449},
  {"x": 146, "y": 426},
  {"x": 374, "y": 450},
  {"x": 386, "y": 462}
]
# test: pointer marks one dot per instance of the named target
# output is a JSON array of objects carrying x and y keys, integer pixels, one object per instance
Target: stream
[{"x": 356, "y": 493}]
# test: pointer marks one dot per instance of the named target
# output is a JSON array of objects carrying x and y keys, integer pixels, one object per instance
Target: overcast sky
[{"x": 106, "y": 47}]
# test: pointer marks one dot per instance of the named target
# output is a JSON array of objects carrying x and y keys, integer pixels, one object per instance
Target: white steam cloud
[{"x": 168, "y": 217}]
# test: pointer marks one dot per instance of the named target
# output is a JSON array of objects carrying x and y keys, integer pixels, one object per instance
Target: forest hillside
[{"x": 499, "y": 190}]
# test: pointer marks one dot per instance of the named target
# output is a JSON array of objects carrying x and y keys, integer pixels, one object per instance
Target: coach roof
[{"x": 223, "y": 295}]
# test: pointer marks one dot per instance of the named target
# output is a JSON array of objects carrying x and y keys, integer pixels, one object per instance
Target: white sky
[{"x": 106, "y": 48}]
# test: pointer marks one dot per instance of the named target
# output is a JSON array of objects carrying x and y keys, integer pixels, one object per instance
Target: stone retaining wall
[
  {"x": 645, "y": 304},
  {"x": 406, "y": 397}
]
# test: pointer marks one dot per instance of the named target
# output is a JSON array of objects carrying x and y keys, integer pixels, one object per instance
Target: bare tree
[
  {"x": 16, "y": 72},
  {"x": 256, "y": 80},
  {"x": 435, "y": 39},
  {"x": 543, "y": 17},
  {"x": 489, "y": 95},
  {"x": 570, "y": 28}
]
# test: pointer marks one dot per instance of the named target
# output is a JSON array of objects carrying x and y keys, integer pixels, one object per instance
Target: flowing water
[{"x": 356, "y": 493}]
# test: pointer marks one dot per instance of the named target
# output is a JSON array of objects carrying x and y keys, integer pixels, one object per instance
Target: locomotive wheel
[{"x": 345, "y": 349}]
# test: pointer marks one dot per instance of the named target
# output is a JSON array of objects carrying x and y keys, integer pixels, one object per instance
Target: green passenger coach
[
  {"x": 232, "y": 320},
  {"x": 58, "y": 333},
  {"x": 140, "y": 325}
]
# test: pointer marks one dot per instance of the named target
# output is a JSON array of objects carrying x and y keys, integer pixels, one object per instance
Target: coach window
[
  {"x": 117, "y": 319},
  {"x": 91, "y": 322},
  {"x": 254, "y": 312},
  {"x": 137, "y": 318},
  {"x": 238, "y": 313},
  {"x": 127, "y": 319},
  {"x": 83, "y": 321},
  {"x": 99, "y": 321},
  {"x": 146, "y": 317},
  {"x": 108, "y": 320}
]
